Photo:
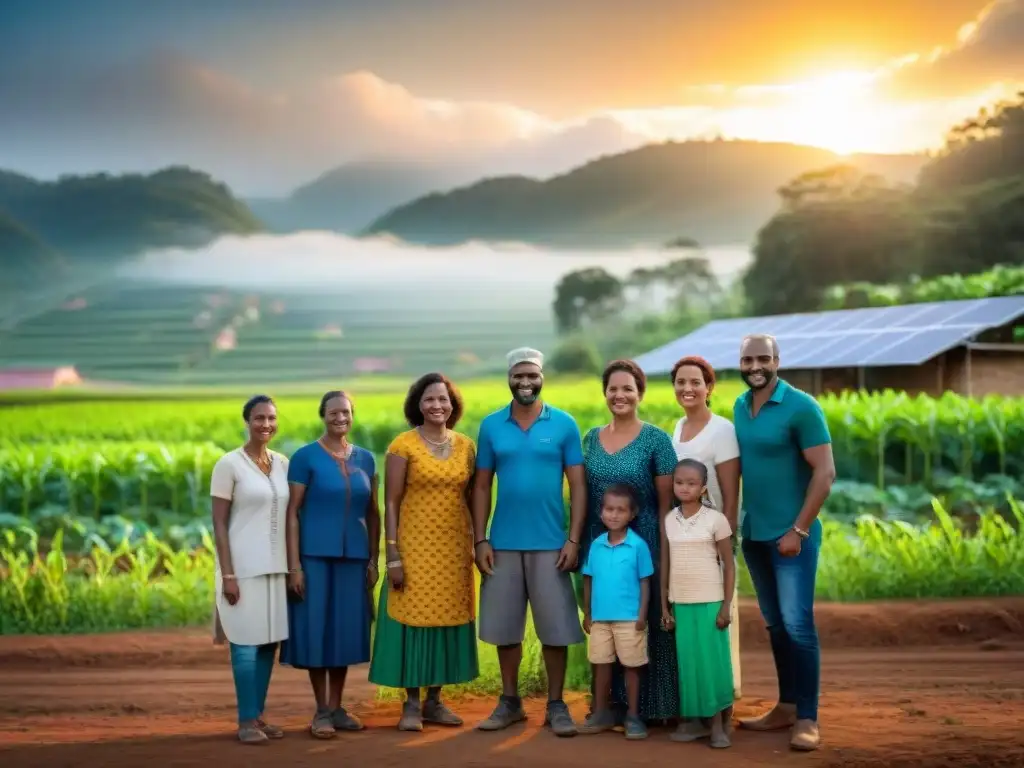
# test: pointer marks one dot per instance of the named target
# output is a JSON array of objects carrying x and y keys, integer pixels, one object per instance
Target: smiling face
[
  {"x": 690, "y": 388},
  {"x": 616, "y": 511},
  {"x": 338, "y": 416},
  {"x": 759, "y": 363},
  {"x": 262, "y": 423},
  {"x": 436, "y": 405},
  {"x": 622, "y": 394},
  {"x": 525, "y": 380}
]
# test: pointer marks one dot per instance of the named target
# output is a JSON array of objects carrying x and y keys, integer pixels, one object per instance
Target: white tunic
[{"x": 256, "y": 538}]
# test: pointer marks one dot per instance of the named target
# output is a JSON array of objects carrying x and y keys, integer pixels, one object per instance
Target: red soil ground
[{"x": 928, "y": 684}]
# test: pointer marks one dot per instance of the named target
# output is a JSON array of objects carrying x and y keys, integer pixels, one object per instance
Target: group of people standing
[{"x": 647, "y": 552}]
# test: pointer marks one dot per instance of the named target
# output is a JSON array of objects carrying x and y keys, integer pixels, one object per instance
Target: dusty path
[{"x": 927, "y": 684}]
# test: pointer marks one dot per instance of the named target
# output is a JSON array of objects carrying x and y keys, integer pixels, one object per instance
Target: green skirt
[
  {"x": 705, "y": 660},
  {"x": 421, "y": 657}
]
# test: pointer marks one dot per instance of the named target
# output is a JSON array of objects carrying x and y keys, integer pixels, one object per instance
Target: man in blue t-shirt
[
  {"x": 787, "y": 469},
  {"x": 526, "y": 558}
]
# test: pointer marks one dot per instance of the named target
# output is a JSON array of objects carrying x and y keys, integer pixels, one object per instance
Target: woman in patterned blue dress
[{"x": 628, "y": 450}]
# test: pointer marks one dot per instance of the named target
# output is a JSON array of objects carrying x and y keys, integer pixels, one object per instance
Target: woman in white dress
[
  {"x": 249, "y": 487},
  {"x": 711, "y": 439}
]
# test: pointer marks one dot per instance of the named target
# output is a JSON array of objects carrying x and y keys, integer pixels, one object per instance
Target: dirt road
[{"x": 923, "y": 684}]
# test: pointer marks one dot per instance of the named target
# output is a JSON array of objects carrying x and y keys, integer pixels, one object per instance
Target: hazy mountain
[
  {"x": 348, "y": 198},
  {"x": 24, "y": 259},
  {"x": 48, "y": 228},
  {"x": 716, "y": 192}
]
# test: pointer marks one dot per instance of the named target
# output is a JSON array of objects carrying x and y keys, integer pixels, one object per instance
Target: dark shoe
[
  {"x": 436, "y": 713},
  {"x": 505, "y": 714},
  {"x": 559, "y": 719},
  {"x": 598, "y": 722},
  {"x": 635, "y": 729},
  {"x": 343, "y": 721},
  {"x": 412, "y": 717}
]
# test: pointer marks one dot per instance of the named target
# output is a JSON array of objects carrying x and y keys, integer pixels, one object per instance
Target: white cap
[{"x": 525, "y": 355}]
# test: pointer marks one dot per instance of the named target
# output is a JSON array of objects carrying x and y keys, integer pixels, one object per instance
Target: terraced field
[{"x": 145, "y": 333}]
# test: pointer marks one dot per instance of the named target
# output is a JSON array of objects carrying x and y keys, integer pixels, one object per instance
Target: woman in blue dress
[
  {"x": 628, "y": 450},
  {"x": 333, "y": 539}
]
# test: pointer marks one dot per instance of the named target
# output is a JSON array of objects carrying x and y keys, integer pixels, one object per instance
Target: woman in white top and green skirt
[
  {"x": 698, "y": 576},
  {"x": 249, "y": 486}
]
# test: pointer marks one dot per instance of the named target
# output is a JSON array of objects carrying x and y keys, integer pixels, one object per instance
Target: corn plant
[{"x": 143, "y": 455}]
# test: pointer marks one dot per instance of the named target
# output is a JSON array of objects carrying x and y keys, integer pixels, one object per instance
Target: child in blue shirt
[{"x": 616, "y": 593}]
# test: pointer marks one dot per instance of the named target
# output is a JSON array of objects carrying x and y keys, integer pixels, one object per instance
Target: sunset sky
[{"x": 267, "y": 95}]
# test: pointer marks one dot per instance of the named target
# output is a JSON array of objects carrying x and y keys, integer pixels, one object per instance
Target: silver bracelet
[{"x": 394, "y": 563}]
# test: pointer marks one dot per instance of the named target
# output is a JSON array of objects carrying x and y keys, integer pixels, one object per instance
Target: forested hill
[
  {"x": 840, "y": 226},
  {"x": 715, "y": 192},
  {"x": 46, "y": 227}
]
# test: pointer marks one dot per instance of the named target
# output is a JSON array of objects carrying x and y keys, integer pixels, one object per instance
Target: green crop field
[{"x": 104, "y": 507}]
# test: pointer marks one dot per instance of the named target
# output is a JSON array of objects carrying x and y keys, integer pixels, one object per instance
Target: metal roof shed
[{"x": 967, "y": 346}]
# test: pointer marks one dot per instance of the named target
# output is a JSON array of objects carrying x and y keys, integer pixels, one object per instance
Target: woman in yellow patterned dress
[{"x": 426, "y": 622}]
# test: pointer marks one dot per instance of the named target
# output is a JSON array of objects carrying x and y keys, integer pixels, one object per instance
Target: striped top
[{"x": 695, "y": 575}]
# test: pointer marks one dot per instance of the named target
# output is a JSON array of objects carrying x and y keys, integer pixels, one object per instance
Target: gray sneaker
[
  {"x": 436, "y": 713},
  {"x": 505, "y": 714},
  {"x": 598, "y": 722},
  {"x": 559, "y": 719}
]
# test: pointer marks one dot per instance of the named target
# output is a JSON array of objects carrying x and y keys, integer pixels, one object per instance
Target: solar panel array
[{"x": 849, "y": 338}]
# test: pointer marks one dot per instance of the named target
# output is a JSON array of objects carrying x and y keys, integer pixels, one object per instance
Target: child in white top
[{"x": 697, "y": 577}]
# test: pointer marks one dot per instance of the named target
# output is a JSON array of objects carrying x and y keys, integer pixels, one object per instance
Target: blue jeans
[
  {"x": 785, "y": 595},
  {"x": 251, "y": 666}
]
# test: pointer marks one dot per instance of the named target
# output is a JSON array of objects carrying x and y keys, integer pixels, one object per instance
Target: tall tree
[
  {"x": 586, "y": 295},
  {"x": 835, "y": 225}
]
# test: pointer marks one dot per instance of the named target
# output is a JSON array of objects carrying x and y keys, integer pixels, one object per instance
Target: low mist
[{"x": 475, "y": 275}]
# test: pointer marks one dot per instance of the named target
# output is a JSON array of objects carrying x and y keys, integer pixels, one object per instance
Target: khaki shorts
[{"x": 610, "y": 640}]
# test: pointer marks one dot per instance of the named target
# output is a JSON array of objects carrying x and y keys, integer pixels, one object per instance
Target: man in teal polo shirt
[
  {"x": 526, "y": 558},
  {"x": 787, "y": 470}
]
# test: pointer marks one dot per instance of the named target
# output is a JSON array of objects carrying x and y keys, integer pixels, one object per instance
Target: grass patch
[{"x": 149, "y": 584}]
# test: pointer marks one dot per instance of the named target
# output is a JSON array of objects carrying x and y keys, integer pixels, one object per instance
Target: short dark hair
[
  {"x": 328, "y": 396},
  {"x": 623, "y": 491},
  {"x": 411, "y": 408},
  {"x": 624, "y": 366},
  {"x": 252, "y": 402}
]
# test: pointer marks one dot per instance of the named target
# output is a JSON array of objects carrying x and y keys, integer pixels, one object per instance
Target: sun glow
[{"x": 837, "y": 111}]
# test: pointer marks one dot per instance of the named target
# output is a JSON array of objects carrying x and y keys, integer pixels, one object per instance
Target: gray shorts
[{"x": 528, "y": 577}]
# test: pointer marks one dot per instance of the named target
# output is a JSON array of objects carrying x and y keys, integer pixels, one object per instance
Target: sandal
[
  {"x": 271, "y": 731},
  {"x": 343, "y": 720},
  {"x": 321, "y": 727},
  {"x": 250, "y": 734}
]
